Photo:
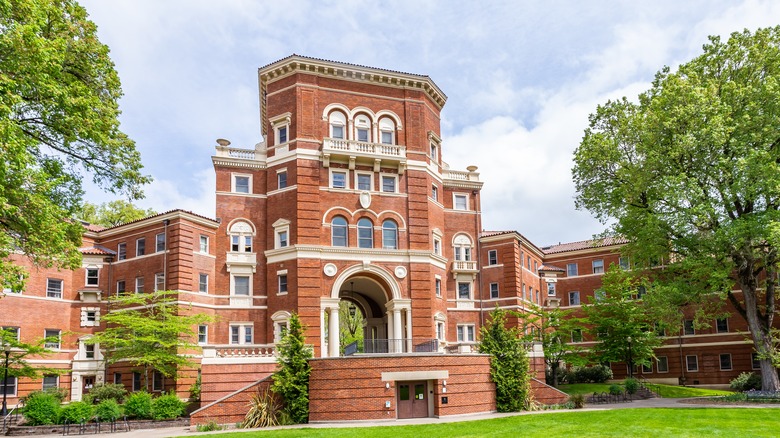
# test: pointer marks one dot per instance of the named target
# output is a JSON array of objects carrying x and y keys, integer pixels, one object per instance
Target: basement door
[{"x": 412, "y": 402}]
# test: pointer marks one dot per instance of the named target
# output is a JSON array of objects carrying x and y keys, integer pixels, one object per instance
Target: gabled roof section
[
  {"x": 550, "y": 268},
  {"x": 584, "y": 244},
  {"x": 96, "y": 250},
  {"x": 490, "y": 235},
  {"x": 342, "y": 70}
]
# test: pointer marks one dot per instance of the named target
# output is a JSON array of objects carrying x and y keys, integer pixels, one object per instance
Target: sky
[{"x": 521, "y": 78}]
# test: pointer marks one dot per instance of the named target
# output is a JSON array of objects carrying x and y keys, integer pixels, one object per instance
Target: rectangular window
[
  {"x": 53, "y": 288},
  {"x": 362, "y": 134},
  {"x": 338, "y": 179},
  {"x": 89, "y": 351},
  {"x": 241, "y": 333},
  {"x": 121, "y": 251},
  {"x": 529, "y": 262},
  {"x": 282, "y": 284},
  {"x": 240, "y": 184},
  {"x": 52, "y": 339},
  {"x": 337, "y": 131},
  {"x": 136, "y": 381},
  {"x": 282, "y": 134},
  {"x": 663, "y": 364},
  {"x": 283, "y": 239},
  {"x": 92, "y": 276},
  {"x": 722, "y": 325},
  {"x": 692, "y": 363},
  {"x": 599, "y": 295},
  {"x": 624, "y": 263},
  {"x": 492, "y": 257},
  {"x": 571, "y": 270},
  {"x": 755, "y": 362},
  {"x": 140, "y": 247},
  {"x": 725, "y": 362},
  {"x": 204, "y": 244},
  {"x": 437, "y": 246},
  {"x": 598, "y": 266},
  {"x": 434, "y": 152},
  {"x": 576, "y": 335},
  {"x": 536, "y": 266},
  {"x": 203, "y": 282},
  {"x": 364, "y": 181},
  {"x": 647, "y": 369},
  {"x": 9, "y": 385},
  {"x": 157, "y": 381},
  {"x": 464, "y": 291},
  {"x": 241, "y": 285},
  {"x": 438, "y": 287},
  {"x": 159, "y": 281},
  {"x": 247, "y": 243},
  {"x": 465, "y": 333},
  {"x": 688, "y": 328},
  {"x": 139, "y": 285},
  {"x": 574, "y": 298},
  {"x": 434, "y": 193},
  {"x": 550, "y": 289},
  {"x": 387, "y": 137},
  {"x": 493, "y": 291},
  {"x": 90, "y": 315},
  {"x": 281, "y": 180},
  {"x": 523, "y": 295},
  {"x": 388, "y": 184},
  {"x": 440, "y": 331},
  {"x": 640, "y": 292},
  {"x": 117, "y": 378},
  {"x": 12, "y": 331},
  {"x": 160, "y": 242},
  {"x": 203, "y": 334},
  {"x": 120, "y": 287},
  {"x": 461, "y": 202}
]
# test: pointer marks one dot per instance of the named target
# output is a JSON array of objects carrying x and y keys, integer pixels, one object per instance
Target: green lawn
[
  {"x": 666, "y": 391},
  {"x": 677, "y": 422}
]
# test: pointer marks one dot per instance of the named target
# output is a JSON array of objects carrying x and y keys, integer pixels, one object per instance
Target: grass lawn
[
  {"x": 666, "y": 391},
  {"x": 677, "y": 422}
]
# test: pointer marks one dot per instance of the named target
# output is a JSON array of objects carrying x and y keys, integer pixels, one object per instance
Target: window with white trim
[
  {"x": 692, "y": 363},
  {"x": 550, "y": 289},
  {"x": 241, "y": 284},
  {"x": 598, "y": 266},
  {"x": 281, "y": 284},
  {"x": 159, "y": 281},
  {"x": 52, "y": 338},
  {"x": 386, "y": 130},
  {"x": 364, "y": 181},
  {"x": 121, "y": 251},
  {"x": 338, "y": 179},
  {"x": 89, "y": 351},
  {"x": 9, "y": 386},
  {"x": 464, "y": 290},
  {"x": 492, "y": 257},
  {"x": 204, "y": 244},
  {"x": 434, "y": 192},
  {"x": 241, "y": 237},
  {"x": 203, "y": 282},
  {"x": 460, "y": 201},
  {"x": 576, "y": 335},
  {"x": 434, "y": 152},
  {"x": 462, "y": 247},
  {"x": 599, "y": 295},
  {"x": 282, "y": 239},
  {"x": 242, "y": 183},
  {"x": 139, "y": 285},
  {"x": 53, "y": 288},
  {"x": 437, "y": 286},
  {"x": 389, "y": 183},
  {"x": 624, "y": 263},
  {"x": 338, "y": 232},
  {"x": 91, "y": 276},
  {"x": 282, "y": 134},
  {"x": 662, "y": 364},
  {"x": 281, "y": 127},
  {"x": 90, "y": 316},
  {"x": 281, "y": 179},
  {"x": 117, "y": 378},
  {"x": 362, "y": 128},
  {"x": 159, "y": 242},
  {"x": 241, "y": 333},
  {"x": 465, "y": 332},
  {"x": 493, "y": 291},
  {"x": 440, "y": 331},
  {"x": 338, "y": 122},
  {"x": 365, "y": 229},
  {"x": 647, "y": 369},
  {"x": 574, "y": 298},
  {"x": 281, "y": 323},
  {"x": 389, "y": 234},
  {"x": 725, "y": 362},
  {"x": 203, "y": 334},
  {"x": 140, "y": 247}
]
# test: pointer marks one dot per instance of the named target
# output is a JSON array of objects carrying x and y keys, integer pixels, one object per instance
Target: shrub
[
  {"x": 58, "y": 393},
  {"x": 632, "y": 385},
  {"x": 615, "y": 389},
  {"x": 108, "y": 410},
  {"x": 746, "y": 382},
  {"x": 736, "y": 397},
  {"x": 265, "y": 410},
  {"x": 41, "y": 408},
  {"x": 577, "y": 400},
  {"x": 594, "y": 374},
  {"x": 208, "y": 427},
  {"x": 167, "y": 406},
  {"x": 195, "y": 391},
  {"x": 109, "y": 391},
  {"x": 76, "y": 412},
  {"x": 139, "y": 405}
]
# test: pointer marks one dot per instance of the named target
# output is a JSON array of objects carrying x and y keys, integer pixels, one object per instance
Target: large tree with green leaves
[
  {"x": 113, "y": 213},
  {"x": 151, "y": 331},
  {"x": 292, "y": 379},
  {"x": 691, "y": 175},
  {"x": 59, "y": 112},
  {"x": 19, "y": 364},
  {"x": 553, "y": 327},
  {"x": 509, "y": 362}
]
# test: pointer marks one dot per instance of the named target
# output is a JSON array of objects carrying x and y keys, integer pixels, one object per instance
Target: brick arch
[
  {"x": 362, "y": 110},
  {"x": 377, "y": 273},
  {"x": 332, "y": 212},
  {"x": 336, "y": 107},
  {"x": 391, "y": 115},
  {"x": 241, "y": 219},
  {"x": 390, "y": 214}
]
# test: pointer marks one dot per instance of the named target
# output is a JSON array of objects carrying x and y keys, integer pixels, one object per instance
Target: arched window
[
  {"x": 241, "y": 237},
  {"x": 338, "y": 231},
  {"x": 387, "y": 130},
  {"x": 362, "y": 128},
  {"x": 338, "y": 123},
  {"x": 389, "y": 234},
  {"x": 365, "y": 233},
  {"x": 462, "y": 248}
]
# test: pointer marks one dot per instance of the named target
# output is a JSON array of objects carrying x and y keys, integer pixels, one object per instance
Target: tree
[
  {"x": 113, "y": 213},
  {"x": 509, "y": 364},
  {"x": 691, "y": 176},
  {"x": 351, "y": 324},
  {"x": 620, "y": 322},
  {"x": 59, "y": 122},
  {"x": 554, "y": 328},
  {"x": 292, "y": 379},
  {"x": 151, "y": 331},
  {"x": 18, "y": 363}
]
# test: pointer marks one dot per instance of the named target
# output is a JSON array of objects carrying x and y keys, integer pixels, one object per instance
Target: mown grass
[
  {"x": 666, "y": 391},
  {"x": 677, "y": 422}
]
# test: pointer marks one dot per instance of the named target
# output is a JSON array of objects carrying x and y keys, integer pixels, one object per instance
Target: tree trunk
[
  {"x": 554, "y": 367},
  {"x": 762, "y": 339}
]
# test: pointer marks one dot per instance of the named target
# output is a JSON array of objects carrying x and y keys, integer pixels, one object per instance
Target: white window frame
[
  {"x": 695, "y": 362},
  {"x": 49, "y": 333},
  {"x": 241, "y": 232},
  {"x": 159, "y": 281},
  {"x": 203, "y": 244},
  {"x": 90, "y": 316},
  {"x": 242, "y": 332},
  {"x": 386, "y": 126},
  {"x": 435, "y": 192},
  {"x": 282, "y": 121},
  {"x": 233, "y": 285},
  {"x": 203, "y": 334},
  {"x": 121, "y": 251},
  {"x": 468, "y": 283},
  {"x": 574, "y": 293},
  {"x": 90, "y": 351},
  {"x": 344, "y": 227},
  {"x": 720, "y": 362},
  {"x": 54, "y": 292},
  {"x": 281, "y": 179},
  {"x": 371, "y": 229},
  {"x": 282, "y": 282},
  {"x": 343, "y": 172},
  {"x": 92, "y": 280},
  {"x": 282, "y": 236},
  {"x": 233, "y": 185},
  {"x": 370, "y": 176},
  {"x": 140, "y": 247},
  {"x": 139, "y": 285},
  {"x": 434, "y": 152},
  {"x": 203, "y": 286},
  {"x": 576, "y": 336},
  {"x": 598, "y": 266},
  {"x": 11, "y": 328},
  {"x": 117, "y": 378},
  {"x": 462, "y": 247},
  {"x": 455, "y": 197},
  {"x": 341, "y": 122},
  {"x": 281, "y": 324},
  {"x": 360, "y": 123},
  {"x": 391, "y": 232},
  {"x": 665, "y": 361},
  {"x": 466, "y": 333},
  {"x": 492, "y": 257},
  {"x": 160, "y": 243},
  {"x": 551, "y": 289},
  {"x": 494, "y": 291},
  {"x": 121, "y": 287},
  {"x": 599, "y": 295},
  {"x": 437, "y": 285},
  {"x": 388, "y": 176}
]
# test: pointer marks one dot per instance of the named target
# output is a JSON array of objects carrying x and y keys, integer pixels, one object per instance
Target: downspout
[
  {"x": 165, "y": 254},
  {"x": 478, "y": 224}
]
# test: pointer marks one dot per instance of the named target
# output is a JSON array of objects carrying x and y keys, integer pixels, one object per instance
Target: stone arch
[
  {"x": 391, "y": 115},
  {"x": 390, "y": 285},
  {"x": 236, "y": 222}
]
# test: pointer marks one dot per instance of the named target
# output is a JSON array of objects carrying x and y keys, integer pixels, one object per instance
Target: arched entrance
[{"x": 385, "y": 317}]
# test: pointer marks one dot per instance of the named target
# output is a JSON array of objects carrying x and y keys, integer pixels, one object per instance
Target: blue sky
[{"x": 521, "y": 79}]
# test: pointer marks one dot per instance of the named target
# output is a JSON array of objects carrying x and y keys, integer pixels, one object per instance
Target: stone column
[
  {"x": 389, "y": 331},
  {"x": 397, "y": 331},
  {"x": 333, "y": 332},
  {"x": 408, "y": 317}
]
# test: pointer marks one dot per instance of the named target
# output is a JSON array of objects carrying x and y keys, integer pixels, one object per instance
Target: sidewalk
[{"x": 649, "y": 403}]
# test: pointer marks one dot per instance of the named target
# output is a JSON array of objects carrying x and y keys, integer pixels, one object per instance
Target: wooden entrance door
[{"x": 412, "y": 400}]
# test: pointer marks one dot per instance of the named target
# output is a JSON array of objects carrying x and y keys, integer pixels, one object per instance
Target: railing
[
  {"x": 11, "y": 418},
  {"x": 392, "y": 346},
  {"x": 93, "y": 425},
  {"x": 359, "y": 147},
  {"x": 241, "y": 154},
  {"x": 240, "y": 351},
  {"x": 464, "y": 265},
  {"x": 460, "y": 175}
]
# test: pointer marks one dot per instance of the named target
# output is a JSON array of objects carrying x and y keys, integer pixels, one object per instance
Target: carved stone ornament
[
  {"x": 330, "y": 269},
  {"x": 400, "y": 272},
  {"x": 365, "y": 199}
]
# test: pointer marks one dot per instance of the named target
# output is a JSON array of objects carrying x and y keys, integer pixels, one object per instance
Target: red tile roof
[
  {"x": 96, "y": 250},
  {"x": 584, "y": 244},
  {"x": 550, "y": 268}
]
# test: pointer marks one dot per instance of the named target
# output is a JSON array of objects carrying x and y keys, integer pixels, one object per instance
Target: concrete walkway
[{"x": 649, "y": 403}]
